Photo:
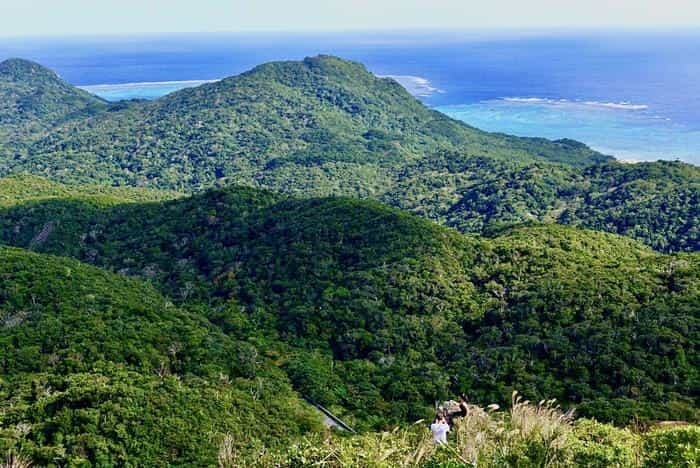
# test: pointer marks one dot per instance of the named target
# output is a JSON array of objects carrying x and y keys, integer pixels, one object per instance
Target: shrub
[
  {"x": 677, "y": 446},
  {"x": 528, "y": 435},
  {"x": 601, "y": 445}
]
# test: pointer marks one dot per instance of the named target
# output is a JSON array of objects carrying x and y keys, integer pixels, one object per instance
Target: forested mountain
[
  {"x": 325, "y": 126},
  {"x": 655, "y": 203},
  {"x": 309, "y": 230},
  {"x": 33, "y": 100},
  {"x": 101, "y": 370},
  {"x": 98, "y": 368},
  {"x": 378, "y": 312},
  {"x": 287, "y": 119}
]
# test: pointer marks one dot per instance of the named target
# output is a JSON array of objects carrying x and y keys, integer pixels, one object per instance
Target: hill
[
  {"x": 195, "y": 324},
  {"x": 297, "y": 120},
  {"x": 33, "y": 100},
  {"x": 97, "y": 367},
  {"x": 376, "y": 313},
  {"x": 655, "y": 203},
  {"x": 21, "y": 189},
  {"x": 325, "y": 126}
]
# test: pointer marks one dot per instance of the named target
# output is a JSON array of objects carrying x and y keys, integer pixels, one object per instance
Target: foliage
[
  {"x": 529, "y": 435},
  {"x": 325, "y": 126},
  {"x": 375, "y": 313},
  {"x": 655, "y": 203},
  {"x": 322, "y": 112},
  {"x": 33, "y": 100},
  {"x": 22, "y": 189},
  {"x": 241, "y": 301},
  {"x": 677, "y": 446},
  {"x": 95, "y": 367},
  {"x": 598, "y": 445},
  {"x": 115, "y": 417}
]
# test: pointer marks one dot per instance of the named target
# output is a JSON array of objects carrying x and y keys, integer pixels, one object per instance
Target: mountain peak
[
  {"x": 18, "y": 68},
  {"x": 332, "y": 61},
  {"x": 292, "y": 72},
  {"x": 34, "y": 97}
]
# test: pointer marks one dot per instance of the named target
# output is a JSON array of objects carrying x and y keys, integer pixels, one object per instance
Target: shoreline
[{"x": 145, "y": 84}]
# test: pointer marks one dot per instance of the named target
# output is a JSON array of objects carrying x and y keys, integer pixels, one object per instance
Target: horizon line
[{"x": 677, "y": 29}]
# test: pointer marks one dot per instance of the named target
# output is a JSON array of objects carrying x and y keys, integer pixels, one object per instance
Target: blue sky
[{"x": 60, "y": 17}]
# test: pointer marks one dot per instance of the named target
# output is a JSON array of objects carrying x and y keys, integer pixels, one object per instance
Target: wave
[
  {"x": 623, "y": 105},
  {"x": 144, "y": 84},
  {"x": 416, "y": 85},
  {"x": 617, "y": 105},
  {"x": 528, "y": 99}
]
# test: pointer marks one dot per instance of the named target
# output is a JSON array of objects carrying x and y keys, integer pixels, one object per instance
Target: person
[
  {"x": 440, "y": 428},
  {"x": 463, "y": 407},
  {"x": 452, "y": 414}
]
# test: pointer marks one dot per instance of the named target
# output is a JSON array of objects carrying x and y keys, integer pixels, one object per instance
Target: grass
[
  {"x": 13, "y": 460},
  {"x": 526, "y": 435}
]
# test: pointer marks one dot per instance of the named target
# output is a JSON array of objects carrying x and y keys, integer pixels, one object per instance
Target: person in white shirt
[{"x": 440, "y": 428}]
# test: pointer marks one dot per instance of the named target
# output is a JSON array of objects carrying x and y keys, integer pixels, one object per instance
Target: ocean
[{"x": 631, "y": 94}]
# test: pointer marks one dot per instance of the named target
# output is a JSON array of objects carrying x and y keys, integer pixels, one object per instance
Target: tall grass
[
  {"x": 526, "y": 435},
  {"x": 232, "y": 456},
  {"x": 13, "y": 460}
]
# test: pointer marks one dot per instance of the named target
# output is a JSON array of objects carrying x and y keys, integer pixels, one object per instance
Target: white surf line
[
  {"x": 144, "y": 84},
  {"x": 416, "y": 85},
  {"x": 622, "y": 105}
]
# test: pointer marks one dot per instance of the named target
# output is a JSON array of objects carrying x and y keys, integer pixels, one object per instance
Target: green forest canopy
[
  {"x": 199, "y": 308},
  {"x": 325, "y": 126},
  {"x": 377, "y": 312},
  {"x": 101, "y": 368}
]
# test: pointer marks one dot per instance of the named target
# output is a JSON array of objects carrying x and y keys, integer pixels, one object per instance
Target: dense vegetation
[
  {"x": 18, "y": 190},
  {"x": 376, "y": 312},
  {"x": 655, "y": 203},
  {"x": 97, "y": 367},
  {"x": 34, "y": 100},
  {"x": 526, "y": 435},
  {"x": 325, "y": 126},
  {"x": 187, "y": 327},
  {"x": 285, "y": 119}
]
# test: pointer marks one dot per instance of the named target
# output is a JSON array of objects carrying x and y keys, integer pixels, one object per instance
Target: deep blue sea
[{"x": 635, "y": 95}]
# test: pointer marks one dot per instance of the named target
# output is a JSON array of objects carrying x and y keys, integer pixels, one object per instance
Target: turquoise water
[
  {"x": 148, "y": 90},
  {"x": 628, "y": 131}
]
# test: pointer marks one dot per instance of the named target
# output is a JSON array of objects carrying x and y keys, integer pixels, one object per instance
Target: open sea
[{"x": 634, "y": 95}]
